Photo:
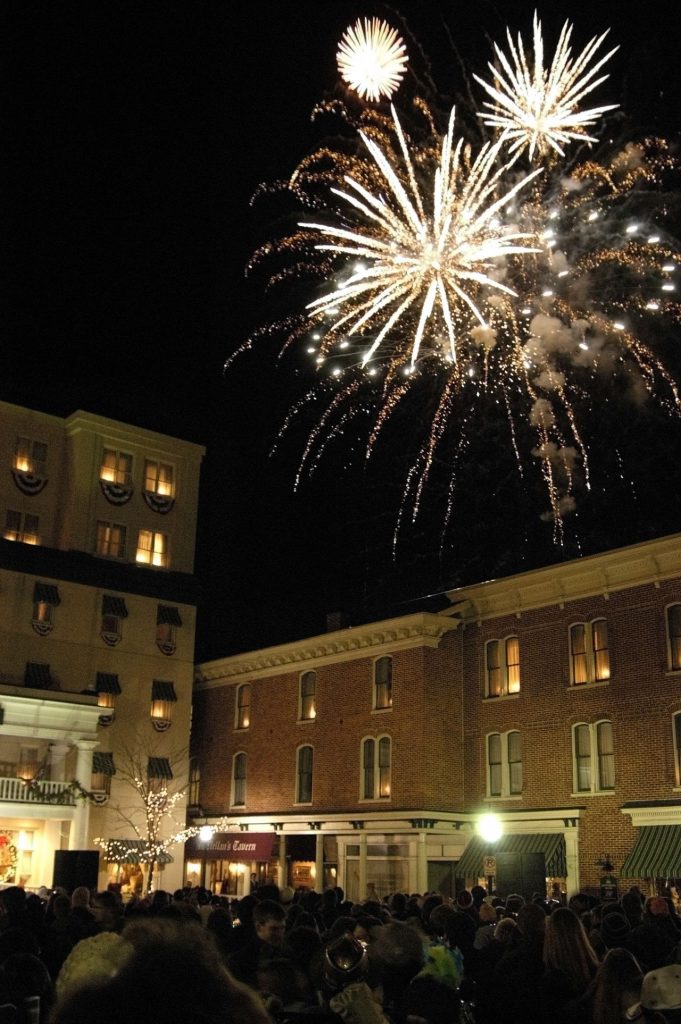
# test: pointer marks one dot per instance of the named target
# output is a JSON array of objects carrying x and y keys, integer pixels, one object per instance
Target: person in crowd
[
  {"x": 617, "y": 986},
  {"x": 570, "y": 963},
  {"x": 488, "y": 923},
  {"x": 519, "y": 973},
  {"x": 660, "y": 1001},
  {"x": 269, "y": 920},
  {"x": 654, "y": 941}
]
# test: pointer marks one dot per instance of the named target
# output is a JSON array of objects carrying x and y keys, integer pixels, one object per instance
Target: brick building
[
  {"x": 97, "y": 622},
  {"x": 368, "y": 755}
]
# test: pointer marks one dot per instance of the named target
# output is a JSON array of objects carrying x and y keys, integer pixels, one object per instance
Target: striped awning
[
  {"x": 655, "y": 854},
  {"x": 168, "y": 616},
  {"x": 107, "y": 682},
  {"x": 162, "y": 690},
  {"x": 159, "y": 768},
  {"x": 103, "y": 763},
  {"x": 114, "y": 606},
  {"x": 37, "y": 676},
  {"x": 133, "y": 851},
  {"x": 46, "y": 593},
  {"x": 552, "y": 845}
]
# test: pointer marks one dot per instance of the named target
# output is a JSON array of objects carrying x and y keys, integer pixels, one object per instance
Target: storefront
[{"x": 229, "y": 863}]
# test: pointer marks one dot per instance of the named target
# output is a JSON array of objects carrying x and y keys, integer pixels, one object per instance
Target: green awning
[
  {"x": 114, "y": 606},
  {"x": 107, "y": 682},
  {"x": 159, "y": 768},
  {"x": 655, "y": 854},
  {"x": 46, "y": 593},
  {"x": 551, "y": 844},
  {"x": 168, "y": 616},
  {"x": 162, "y": 690},
  {"x": 103, "y": 763}
]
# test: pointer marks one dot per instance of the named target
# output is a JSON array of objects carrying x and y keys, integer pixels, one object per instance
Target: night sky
[{"x": 134, "y": 138}]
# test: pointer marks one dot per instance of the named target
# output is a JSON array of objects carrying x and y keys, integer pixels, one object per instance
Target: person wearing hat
[{"x": 660, "y": 997}]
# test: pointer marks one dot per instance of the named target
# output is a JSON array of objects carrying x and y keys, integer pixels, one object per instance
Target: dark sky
[{"x": 134, "y": 136}]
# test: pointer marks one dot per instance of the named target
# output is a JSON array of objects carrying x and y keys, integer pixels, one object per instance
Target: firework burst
[
  {"x": 372, "y": 59},
  {"x": 537, "y": 108},
  {"x": 447, "y": 275}
]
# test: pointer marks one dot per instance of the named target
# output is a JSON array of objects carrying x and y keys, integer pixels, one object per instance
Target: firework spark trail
[{"x": 448, "y": 277}]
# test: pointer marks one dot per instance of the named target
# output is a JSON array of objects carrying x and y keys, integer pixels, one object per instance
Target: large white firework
[
  {"x": 536, "y": 107},
  {"x": 372, "y": 58},
  {"x": 420, "y": 254}
]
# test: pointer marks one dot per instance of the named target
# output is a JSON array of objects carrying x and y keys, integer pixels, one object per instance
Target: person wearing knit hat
[{"x": 615, "y": 930}]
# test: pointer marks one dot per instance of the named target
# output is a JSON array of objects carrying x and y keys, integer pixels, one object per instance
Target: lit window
[
  {"x": 158, "y": 478},
  {"x": 103, "y": 769},
  {"x": 502, "y": 663},
  {"x": 674, "y": 636},
  {"x": 376, "y": 758},
  {"x": 239, "y": 780},
  {"x": 593, "y": 757},
  {"x": 22, "y": 527},
  {"x": 243, "y": 707},
  {"x": 383, "y": 683},
  {"x": 163, "y": 701},
  {"x": 589, "y": 653},
  {"x": 110, "y": 539},
  {"x": 152, "y": 549},
  {"x": 30, "y": 457},
  {"x": 45, "y": 600},
  {"x": 504, "y": 764},
  {"x": 116, "y": 468},
  {"x": 304, "y": 776},
  {"x": 108, "y": 688},
  {"x": 167, "y": 621},
  {"x": 307, "y": 703}
]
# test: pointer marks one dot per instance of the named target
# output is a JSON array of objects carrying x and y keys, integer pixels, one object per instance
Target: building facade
[
  {"x": 550, "y": 699},
  {"x": 97, "y": 623}
]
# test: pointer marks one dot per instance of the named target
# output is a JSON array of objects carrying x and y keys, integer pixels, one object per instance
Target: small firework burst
[
  {"x": 537, "y": 108},
  {"x": 372, "y": 59}
]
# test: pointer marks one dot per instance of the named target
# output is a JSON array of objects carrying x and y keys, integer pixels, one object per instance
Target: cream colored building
[{"x": 97, "y": 623}]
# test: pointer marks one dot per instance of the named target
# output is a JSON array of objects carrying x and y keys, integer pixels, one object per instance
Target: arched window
[
  {"x": 504, "y": 764},
  {"x": 674, "y": 637},
  {"x": 243, "y": 707},
  {"x": 304, "y": 775},
  {"x": 383, "y": 683},
  {"x": 589, "y": 652},
  {"x": 376, "y": 767},
  {"x": 307, "y": 709},
  {"x": 593, "y": 757},
  {"x": 502, "y": 667}
]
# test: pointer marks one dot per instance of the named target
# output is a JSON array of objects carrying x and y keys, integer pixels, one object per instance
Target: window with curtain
[
  {"x": 239, "y": 780},
  {"x": 304, "y": 773},
  {"x": 243, "y": 706},
  {"x": 504, "y": 764},
  {"x": 589, "y": 652},
  {"x": 376, "y": 768},
  {"x": 383, "y": 683},
  {"x": 674, "y": 636},
  {"x": 502, "y": 667},
  {"x": 307, "y": 700},
  {"x": 594, "y": 757}
]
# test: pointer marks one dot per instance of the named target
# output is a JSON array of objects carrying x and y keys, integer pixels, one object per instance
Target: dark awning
[
  {"x": 161, "y": 690},
  {"x": 551, "y": 844},
  {"x": 114, "y": 606},
  {"x": 168, "y": 616},
  {"x": 107, "y": 682},
  {"x": 37, "y": 676},
  {"x": 133, "y": 851},
  {"x": 159, "y": 768},
  {"x": 102, "y": 763},
  {"x": 46, "y": 593},
  {"x": 655, "y": 854}
]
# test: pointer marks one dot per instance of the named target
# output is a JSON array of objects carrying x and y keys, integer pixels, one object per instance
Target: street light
[{"x": 490, "y": 830}]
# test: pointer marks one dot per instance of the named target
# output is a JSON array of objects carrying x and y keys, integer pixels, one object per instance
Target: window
[
  {"x": 110, "y": 539},
  {"x": 239, "y": 780},
  {"x": 306, "y": 705},
  {"x": 674, "y": 637},
  {"x": 158, "y": 478},
  {"x": 113, "y": 610},
  {"x": 45, "y": 600},
  {"x": 30, "y": 457},
  {"x": 383, "y": 683},
  {"x": 116, "y": 468},
  {"x": 167, "y": 621},
  {"x": 593, "y": 757},
  {"x": 589, "y": 654},
  {"x": 304, "y": 776},
  {"x": 152, "y": 549},
  {"x": 108, "y": 688},
  {"x": 21, "y": 526},
  {"x": 243, "y": 707},
  {"x": 376, "y": 757},
  {"x": 38, "y": 676},
  {"x": 677, "y": 748},
  {"x": 504, "y": 764},
  {"x": 502, "y": 664},
  {"x": 163, "y": 701},
  {"x": 103, "y": 769},
  {"x": 193, "y": 789},
  {"x": 159, "y": 772}
]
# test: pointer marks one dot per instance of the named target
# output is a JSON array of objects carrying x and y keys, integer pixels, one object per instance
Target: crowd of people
[{"x": 284, "y": 957}]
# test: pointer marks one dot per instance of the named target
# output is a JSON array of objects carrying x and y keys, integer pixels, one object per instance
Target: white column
[
  {"x": 422, "y": 863},
  {"x": 283, "y": 880},
  {"x": 572, "y": 884},
  {"x": 319, "y": 862},
  {"x": 362, "y": 895},
  {"x": 80, "y": 827},
  {"x": 58, "y": 752}
]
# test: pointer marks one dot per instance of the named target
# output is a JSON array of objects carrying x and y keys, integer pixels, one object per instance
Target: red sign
[{"x": 234, "y": 846}]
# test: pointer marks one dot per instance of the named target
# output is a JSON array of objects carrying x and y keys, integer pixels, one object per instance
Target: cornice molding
[
  {"x": 597, "y": 575},
  {"x": 423, "y": 629},
  {"x": 662, "y": 814}
]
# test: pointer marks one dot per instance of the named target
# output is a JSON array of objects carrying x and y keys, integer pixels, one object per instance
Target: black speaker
[{"x": 75, "y": 867}]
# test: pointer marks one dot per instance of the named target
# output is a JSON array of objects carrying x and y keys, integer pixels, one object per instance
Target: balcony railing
[{"x": 16, "y": 791}]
